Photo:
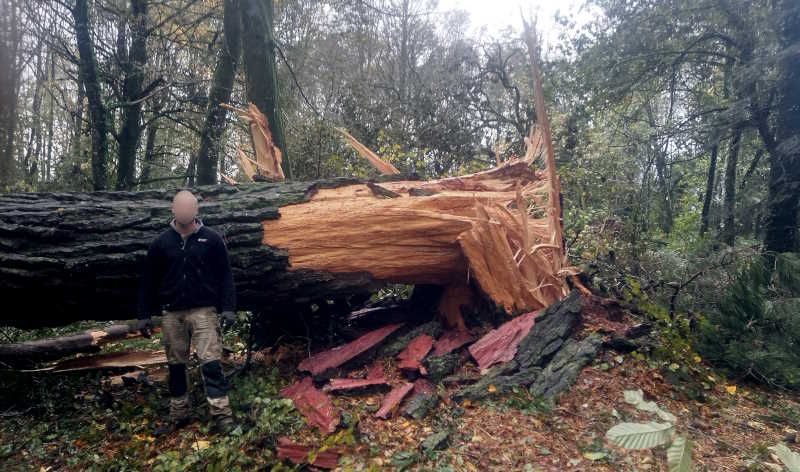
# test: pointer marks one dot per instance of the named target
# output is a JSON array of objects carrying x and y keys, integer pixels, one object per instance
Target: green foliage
[
  {"x": 789, "y": 458},
  {"x": 640, "y": 435},
  {"x": 652, "y": 434},
  {"x": 679, "y": 455},
  {"x": 755, "y": 331},
  {"x": 403, "y": 460}
]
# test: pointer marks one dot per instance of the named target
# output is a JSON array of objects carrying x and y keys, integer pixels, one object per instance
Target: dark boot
[
  {"x": 179, "y": 406},
  {"x": 179, "y": 416},
  {"x": 217, "y": 395},
  {"x": 221, "y": 413}
]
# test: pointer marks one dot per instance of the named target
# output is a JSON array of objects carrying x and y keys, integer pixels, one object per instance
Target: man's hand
[
  {"x": 227, "y": 319},
  {"x": 145, "y": 327}
]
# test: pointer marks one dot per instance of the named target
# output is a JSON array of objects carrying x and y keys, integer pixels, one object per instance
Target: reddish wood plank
[
  {"x": 375, "y": 371},
  {"x": 500, "y": 345},
  {"x": 325, "y": 361},
  {"x": 352, "y": 384},
  {"x": 413, "y": 354},
  {"x": 451, "y": 340},
  {"x": 299, "y": 454},
  {"x": 313, "y": 404},
  {"x": 392, "y": 400}
]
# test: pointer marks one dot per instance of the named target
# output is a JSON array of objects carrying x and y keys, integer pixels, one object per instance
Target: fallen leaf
[
  {"x": 200, "y": 445},
  {"x": 595, "y": 456}
]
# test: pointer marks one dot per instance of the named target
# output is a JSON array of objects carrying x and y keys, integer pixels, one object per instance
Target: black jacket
[{"x": 178, "y": 275}]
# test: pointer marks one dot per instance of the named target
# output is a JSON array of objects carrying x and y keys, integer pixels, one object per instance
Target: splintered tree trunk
[
  {"x": 260, "y": 68},
  {"x": 76, "y": 256}
]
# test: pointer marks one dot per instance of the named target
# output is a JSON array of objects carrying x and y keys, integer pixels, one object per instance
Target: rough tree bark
[
  {"x": 91, "y": 83},
  {"x": 133, "y": 65},
  {"x": 207, "y": 157}
]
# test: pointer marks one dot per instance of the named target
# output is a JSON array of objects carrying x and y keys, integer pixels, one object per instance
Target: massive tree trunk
[
  {"x": 73, "y": 256},
  {"x": 91, "y": 82},
  {"x": 260, "y": 69},
  {"x": 208, "y": 155}
]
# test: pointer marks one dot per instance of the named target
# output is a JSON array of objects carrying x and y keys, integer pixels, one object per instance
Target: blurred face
[{"x": 184, "y": 207}]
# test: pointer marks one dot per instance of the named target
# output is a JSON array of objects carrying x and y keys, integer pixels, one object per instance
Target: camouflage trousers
[{"x": 200, "y": 327}]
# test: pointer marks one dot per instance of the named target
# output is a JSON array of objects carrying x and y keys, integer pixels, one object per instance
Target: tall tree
[
  {"x": 784, "y": 177},
  {"x": 10, "y": 71},
  {"x": 91, "y": 83},
  {"x": 260, "y": 68},
  {"x": 133, "y": 63},
  {"x": 207, "y": 157}
]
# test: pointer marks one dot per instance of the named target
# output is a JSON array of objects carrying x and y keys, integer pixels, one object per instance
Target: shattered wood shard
[
  {"x": 417, "y": 349},
  {"x": 324, "y": 364},
  {"x": 338, "y": 385},
  {"x": 450, "y": 341},
  {"x": 500, "y": 345},
  {"x": 299, "y": 454},
  {"x": 313, "y": 404},
  {"x": 70, "y": 255},
  {"x": 547, "y": 360},
  {"x": 391, "y": 402}
]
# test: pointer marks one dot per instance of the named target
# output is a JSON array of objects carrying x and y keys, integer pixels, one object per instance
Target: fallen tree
[{"x": 75, "y": 256}]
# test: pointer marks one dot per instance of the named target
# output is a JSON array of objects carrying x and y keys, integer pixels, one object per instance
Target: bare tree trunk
[
  {"x": 712, "y": 169},
  {"x": 149, "y": 151},
  {"x": 729, "y": 204},
  {"x": 133, "y": 68},
  {"x": 91, "y": 82},
  {"x": 33, "y": 148},
  {"x": 50, "y": 120},
  {"x": 208, "y": 155}
]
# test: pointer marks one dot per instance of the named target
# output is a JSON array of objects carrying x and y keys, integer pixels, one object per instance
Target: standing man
[{"x": 187, "y": 277}]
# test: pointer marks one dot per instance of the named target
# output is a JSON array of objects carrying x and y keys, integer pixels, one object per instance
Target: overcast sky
[{"x": 498, "y": 14}]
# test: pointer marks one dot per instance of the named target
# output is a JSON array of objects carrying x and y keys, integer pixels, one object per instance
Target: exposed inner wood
[{"x": 498, "y": 228}]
